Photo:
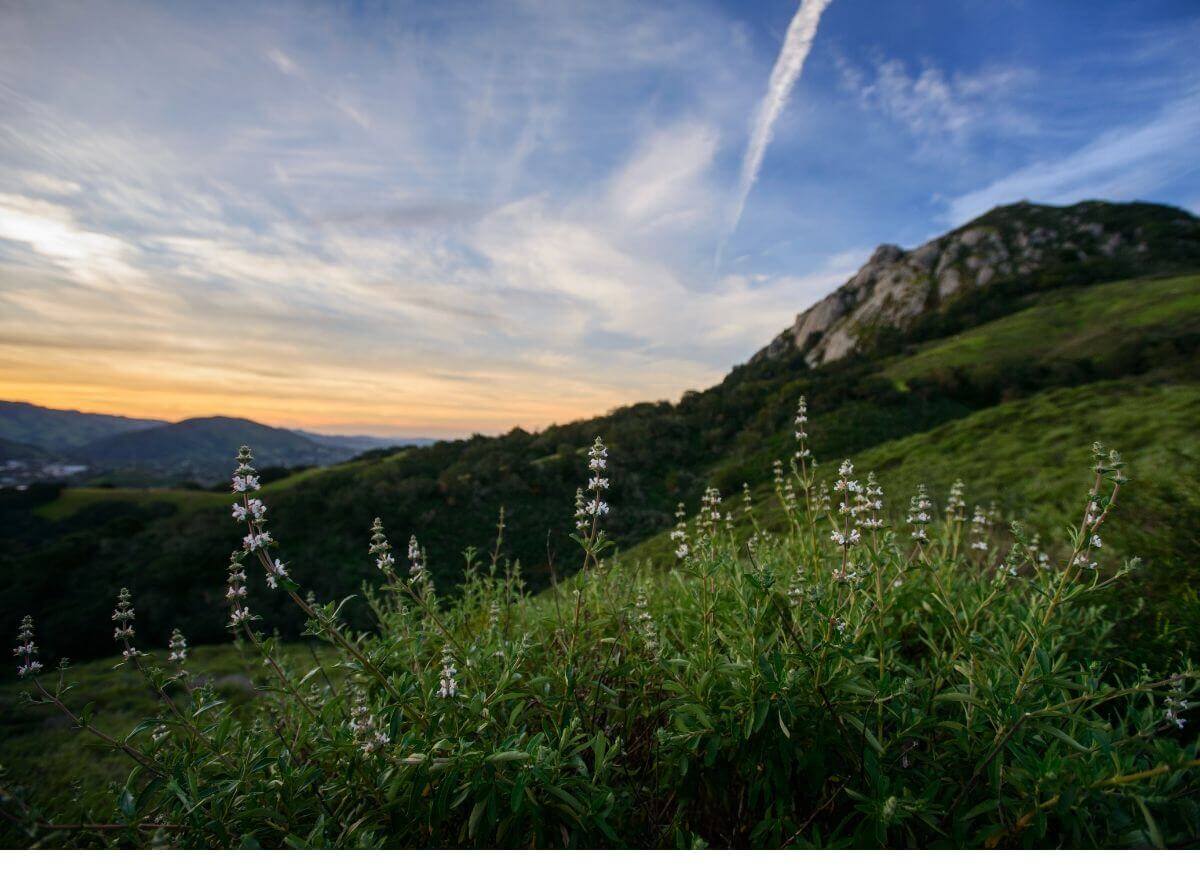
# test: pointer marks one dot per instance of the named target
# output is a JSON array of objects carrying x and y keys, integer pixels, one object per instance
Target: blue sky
[{"x": 440, "y": 218}]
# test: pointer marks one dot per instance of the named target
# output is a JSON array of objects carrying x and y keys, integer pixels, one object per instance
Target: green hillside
[
  {"x": 42, "y": 752},
  {"x": 992, "y": 351},
  {"x": 1099, "y": 324}
]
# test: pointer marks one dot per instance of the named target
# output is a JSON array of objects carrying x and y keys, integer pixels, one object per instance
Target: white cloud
[
  {"x": 48, "y": 184},
  {"x": 283, "y": 61},
  {"x": 937, "y": 107},
  {"x": 665, "y": 180},
  {"x": 52, "y": 231}
]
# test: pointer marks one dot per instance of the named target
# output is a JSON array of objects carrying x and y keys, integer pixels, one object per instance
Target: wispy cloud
[
  {"x": 283, "y": 61},
  {"x": 796, "y": 46},
  {"x": 1125, "y": 162},
  {"x": 51, "y": 231},
  {"x": 940, "y": 109}
]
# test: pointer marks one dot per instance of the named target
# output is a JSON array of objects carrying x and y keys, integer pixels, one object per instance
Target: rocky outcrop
[{"x": 1031, "y": 245}]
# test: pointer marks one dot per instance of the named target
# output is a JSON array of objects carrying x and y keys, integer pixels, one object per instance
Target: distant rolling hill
[
  {"x": 38, "y": 444},
  {"x": 12, "y": 449},
  {"x": 61, "y": 430},
  {"x": 200, "y": 449},
  {"x": 364, "y": 442}
]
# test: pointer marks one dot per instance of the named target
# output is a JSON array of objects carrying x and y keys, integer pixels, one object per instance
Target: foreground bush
[{"x": 932, "y": 678}]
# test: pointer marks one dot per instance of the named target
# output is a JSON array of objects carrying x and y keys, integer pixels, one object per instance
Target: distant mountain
[
  {"x": 364, "y": 442},
  {"x": 1014, "y": 249},
  {"x": 42, "y": 444},
  {"x": 61, "y": 430},
  {"x": 201, "y": 449},
  {"x": 12, "y": 450}
]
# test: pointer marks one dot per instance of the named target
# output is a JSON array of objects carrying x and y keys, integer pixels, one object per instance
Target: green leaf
[
  {"x": 476, "y": 816},
  {"x": 505, "y": 757},
  {"x": 1151, "y": 825},
  {"x": 1058, "y": 734},
  {"x": 127, "y": 804}
]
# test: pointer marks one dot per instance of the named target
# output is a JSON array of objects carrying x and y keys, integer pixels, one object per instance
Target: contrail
[{"x": 783, "y": 76}]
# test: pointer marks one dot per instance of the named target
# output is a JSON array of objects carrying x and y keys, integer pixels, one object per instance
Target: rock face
[{"x": 1032, "y": 246}]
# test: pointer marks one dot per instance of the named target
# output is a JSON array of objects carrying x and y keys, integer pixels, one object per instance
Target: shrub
[{"x": 923, "y": 679}]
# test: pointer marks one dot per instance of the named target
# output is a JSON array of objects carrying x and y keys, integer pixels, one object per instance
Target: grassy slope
[
  {"x": 1029, "y": 454},
  {"x": 72, "y": 500},
  {"x": 1073, "y": 323},
  {"x": 40, "y": 751}
]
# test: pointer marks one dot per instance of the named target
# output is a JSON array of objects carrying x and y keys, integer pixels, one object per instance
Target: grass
[
  {"x": 1026, "y": 455},
  {"x": 72, "y": 500},
  {"x": 794, "y": 690},
  {"x": 40, "y": 751},
  {"x": 75, "y": 499},
  {"x": 1069, "y": 323}
]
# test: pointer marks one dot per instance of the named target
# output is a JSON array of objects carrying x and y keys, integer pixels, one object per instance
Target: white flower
[
  {"x": 1082, "y": 561},
  {"x": 918, "y": 514},
  {"x": 956, "y": 508},
  {"x": 244, "y": 484},
  {"x": 26, "y": 649},
  {"x": 123, "y": 615},
  {"x": 416, "y": 559},
  {"x": 1175, "y": 703},
  {"x": 1096, "y": 542},
  {"x": 30, "y": 668},
  {"x": 239, "y": 512},
  {"x": 679, "y": 534},
  {"x": 256, "y": 540},
  {"x": 448, "y": 686},
  {"x": 597, "y": 456},
  {"x": 366, "y": 730},
  {"x": 595, "y": 507}
]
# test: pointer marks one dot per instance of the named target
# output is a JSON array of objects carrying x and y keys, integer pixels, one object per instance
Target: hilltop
[{"x": 1010, "y": 251}]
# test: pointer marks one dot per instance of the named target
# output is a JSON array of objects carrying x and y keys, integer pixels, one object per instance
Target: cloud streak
[
  {"x": 1122, "y": 163},
  {"x": 796, "y": 46}
]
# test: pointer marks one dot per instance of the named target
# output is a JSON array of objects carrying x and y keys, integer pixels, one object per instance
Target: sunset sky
[{"x": 438, "y": 218}]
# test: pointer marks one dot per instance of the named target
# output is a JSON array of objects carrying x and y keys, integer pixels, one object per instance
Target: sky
[{"x": 434, "y": 219}]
